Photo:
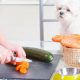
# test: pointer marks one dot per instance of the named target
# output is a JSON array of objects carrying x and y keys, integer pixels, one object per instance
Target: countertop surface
[{"x": 37, "y": 71}]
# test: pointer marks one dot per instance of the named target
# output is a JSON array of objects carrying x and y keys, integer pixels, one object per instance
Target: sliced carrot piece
[
  {"x": 26, "y": 64},
  {"x": 18, "y": 63},
  {"x": 23, "y": 70},
  {"x": 18, "y": 67},
  {"x": 22, "y": 66}
]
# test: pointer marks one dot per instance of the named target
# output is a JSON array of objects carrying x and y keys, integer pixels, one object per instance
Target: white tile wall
[
  {"x": 50, "y": 1},
  {"x": 20, "y": 22},
  {"x": 19, "y": 1},
  {"x": 51, "y": 29},
  {"x": 26, "y": 1},
  {"x": 49, "y": 12}
]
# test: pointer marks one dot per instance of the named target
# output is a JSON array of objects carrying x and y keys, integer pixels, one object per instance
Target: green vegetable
[{"x": 39, "y": 54}]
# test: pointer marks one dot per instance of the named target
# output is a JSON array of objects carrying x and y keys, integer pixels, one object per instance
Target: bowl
[
  {"x": 71, "y": 57},
  {"x": 66, "y": 74}
]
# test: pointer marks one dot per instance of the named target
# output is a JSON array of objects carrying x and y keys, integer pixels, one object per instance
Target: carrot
[
  {"x": 25, "y": 64},
  {"x": 72, "y": 40},
  {"x": 57, "y": 38},
  {"x": 22, "y": 67},
  {"x": 23, "y": 70},
  {"x": 18, "y": 63},
  {"x": 68, "y": 42},
  {"x": 18, "y": 67}
]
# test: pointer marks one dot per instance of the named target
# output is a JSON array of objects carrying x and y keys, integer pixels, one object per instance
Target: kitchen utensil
[
  {"x": 38, "y": 70},
  {"x": 66, "y": 74},
  {"x": 68, "y": 71},
  {"x": 71, "y": 56},
  {"x": 18, "y": 59}
]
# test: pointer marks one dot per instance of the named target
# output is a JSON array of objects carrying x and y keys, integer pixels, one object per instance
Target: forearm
[{"x": 3, "y": 40}]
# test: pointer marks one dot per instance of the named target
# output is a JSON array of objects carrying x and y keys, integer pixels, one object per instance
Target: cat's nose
[{"x": 61, "y": 13}]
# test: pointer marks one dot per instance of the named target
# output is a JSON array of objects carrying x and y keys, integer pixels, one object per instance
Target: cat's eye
[{"x": 68, "y": 10}]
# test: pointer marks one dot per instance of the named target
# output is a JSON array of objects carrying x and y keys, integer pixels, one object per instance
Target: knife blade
[{"x": 18, "y": 59}]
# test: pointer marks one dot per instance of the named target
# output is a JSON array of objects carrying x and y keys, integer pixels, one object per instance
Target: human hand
[
  {"x": 17, "y": 49},
  {"x": 13, "y": 47},
  {"x": 5, "y": 55}
]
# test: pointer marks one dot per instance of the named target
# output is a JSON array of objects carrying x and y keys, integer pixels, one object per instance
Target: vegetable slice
[{"x": 22, "y": 67}]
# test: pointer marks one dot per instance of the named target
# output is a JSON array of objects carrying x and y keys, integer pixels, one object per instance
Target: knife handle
[{"x": 13, "y": 58}]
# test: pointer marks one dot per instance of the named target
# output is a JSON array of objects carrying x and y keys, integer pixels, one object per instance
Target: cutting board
[{"x": 37, "y": 71}]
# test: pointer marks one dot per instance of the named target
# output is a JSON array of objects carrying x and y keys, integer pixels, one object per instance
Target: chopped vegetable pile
[{"x": 22, "y": 67}]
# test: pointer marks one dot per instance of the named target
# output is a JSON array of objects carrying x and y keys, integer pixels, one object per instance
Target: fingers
[
  {"x": 16, "y": 48},
  {"x": 23, "y": 52},
  {"x": 2, "y": 59},
  {"x": 5, "y": 57},
  {"x": 13, "y": 62},
  {"x": 20, "y": 52},
  {"x": 6, "y": 54}
]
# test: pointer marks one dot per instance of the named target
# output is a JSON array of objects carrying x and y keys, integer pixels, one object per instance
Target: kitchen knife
[{"x": 18, "y": 59}]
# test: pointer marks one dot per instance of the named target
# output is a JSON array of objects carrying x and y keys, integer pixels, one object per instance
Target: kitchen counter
[
  {"x": 61, "y": 64},
  {"x": 38, "y": 70}
]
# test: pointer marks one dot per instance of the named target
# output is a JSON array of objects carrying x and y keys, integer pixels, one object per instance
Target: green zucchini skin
[{"x": 39, "y": 54}]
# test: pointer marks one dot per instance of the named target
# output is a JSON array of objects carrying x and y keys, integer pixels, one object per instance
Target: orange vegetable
[
  {"x": 72, "y": 40},
  {"x": 24, "y": 63},
  {"x": 18, "y": 67},
  {"x": 18, "y": 63},
  {"x": 57, "y": 38},
  {"x": 23, "y": 70},
  {"x": 22, "y": 67}
]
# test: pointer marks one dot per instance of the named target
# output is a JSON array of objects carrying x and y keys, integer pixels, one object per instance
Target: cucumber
[{"x": 39, "y": 54}]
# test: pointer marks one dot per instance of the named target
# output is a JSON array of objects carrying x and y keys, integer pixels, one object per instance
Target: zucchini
[{"x": 39, "y": 54}]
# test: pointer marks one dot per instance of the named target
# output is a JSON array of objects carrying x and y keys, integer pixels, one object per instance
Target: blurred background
[{"x": 29, "y": 20}]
